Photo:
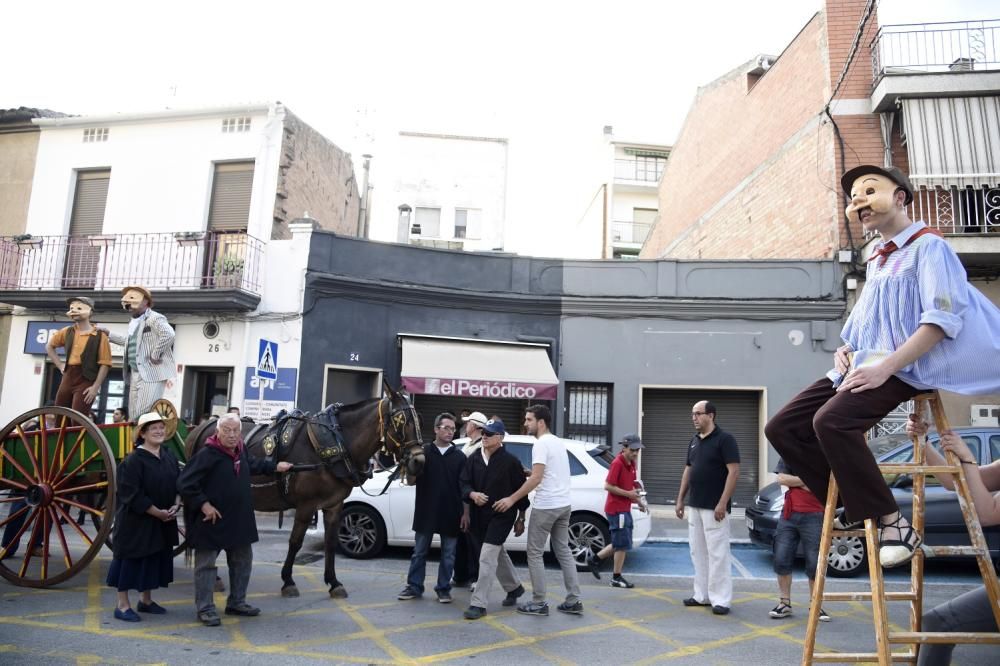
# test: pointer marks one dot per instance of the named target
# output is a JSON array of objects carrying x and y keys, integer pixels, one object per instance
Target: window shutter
[
  {"x": 89, "y": 203},
  {"x": 231, "y": 188}
]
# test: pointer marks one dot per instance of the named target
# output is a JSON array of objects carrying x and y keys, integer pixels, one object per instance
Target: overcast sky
[{"x": 537, "y": 71}]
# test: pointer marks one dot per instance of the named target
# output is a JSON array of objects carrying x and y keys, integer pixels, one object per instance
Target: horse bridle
[{"x": 399, "y": 417}]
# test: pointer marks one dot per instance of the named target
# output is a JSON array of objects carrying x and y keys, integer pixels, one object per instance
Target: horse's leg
[
  {"x": 331, "y": 522},
  {"x": 303, "y": 514}
]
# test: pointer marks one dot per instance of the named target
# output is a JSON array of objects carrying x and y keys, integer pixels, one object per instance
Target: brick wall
[
  {"x": 315, "y": 177},
  {"x": 755, "y": 174}
]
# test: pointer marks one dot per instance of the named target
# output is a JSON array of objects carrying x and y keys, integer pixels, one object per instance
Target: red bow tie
[{"x": 891, "y": 247}]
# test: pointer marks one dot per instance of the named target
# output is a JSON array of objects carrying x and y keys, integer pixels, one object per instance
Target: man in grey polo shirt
[{"x": 549, "y": 513}]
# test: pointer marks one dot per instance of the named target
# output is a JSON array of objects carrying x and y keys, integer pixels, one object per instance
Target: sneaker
[
  {"x": 534, "y": 608},
  {"x": 408, "y": 593},
  {"x": 244, "y": 609},
  {"x": 209, "y": 618},
  {"x": 444, "y": 596},
  {"x": 474, "y": 612},
  {"x": 840, "y": 523},
  {"x": 720, "y": 610},
  {"x": 513, "y": 596},
  {"x": 619, "y": 581},
  {"x": 575, "y": 608},
  {"x": 781, "y": 610},
  {"x": 823, "y": 616},
  {"x": 594, "y": 564}
]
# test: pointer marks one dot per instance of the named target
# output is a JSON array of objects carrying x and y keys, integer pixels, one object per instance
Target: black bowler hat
[{"x": 892, "y": 173}]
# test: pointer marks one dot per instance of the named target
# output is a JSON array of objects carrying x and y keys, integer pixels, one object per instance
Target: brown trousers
[
  {"x": 821, "y": 429},
  {"x": 71, "y": 388}
]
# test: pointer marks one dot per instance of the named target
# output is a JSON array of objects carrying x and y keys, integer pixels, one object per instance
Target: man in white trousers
[{"x": 713, "y": 467}]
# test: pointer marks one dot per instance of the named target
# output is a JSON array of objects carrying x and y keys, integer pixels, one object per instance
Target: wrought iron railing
[
  {"x": 161, "y": 261},
  {"x": 629, "y": 232},
  {"x": 936, "y": 47},
  {"x": 642, "y": 169},
  {"x": 958, "y": 210}
]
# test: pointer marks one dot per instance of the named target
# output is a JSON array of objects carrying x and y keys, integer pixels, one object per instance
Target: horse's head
[{"x": 401, "y": 432}]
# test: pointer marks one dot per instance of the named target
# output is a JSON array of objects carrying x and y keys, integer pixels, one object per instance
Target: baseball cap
[
  {"x": 476, "y": 417},
  {"x": 632, "y": 441},
  {"x": 494, "y": 427},
  {"x": 892, "y": 173}
]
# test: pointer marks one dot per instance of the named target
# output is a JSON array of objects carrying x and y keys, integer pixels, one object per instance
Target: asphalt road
[{"x": 73, "y": 623}]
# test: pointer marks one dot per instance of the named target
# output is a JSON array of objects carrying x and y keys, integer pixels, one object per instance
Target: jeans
[
  {"x": 799, "y": 526},
  {"x": 239, "y": 561},
  {"x": 554, "y": 523},
  {"x": 418, "y": 562}
]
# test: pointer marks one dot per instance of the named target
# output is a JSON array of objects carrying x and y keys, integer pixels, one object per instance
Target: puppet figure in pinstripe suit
[{"x": 149, "y": 351}]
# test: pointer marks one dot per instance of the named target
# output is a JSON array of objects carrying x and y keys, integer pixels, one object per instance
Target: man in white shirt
[{"x": 550, "y": 513}]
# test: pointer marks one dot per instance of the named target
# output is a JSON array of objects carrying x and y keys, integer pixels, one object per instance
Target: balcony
[
  {"x": 627, "y": 234},
  {"x": 641, "y": 171},
  {"x": 187, "y": 271},
  {"x": 925, "y": 59}
]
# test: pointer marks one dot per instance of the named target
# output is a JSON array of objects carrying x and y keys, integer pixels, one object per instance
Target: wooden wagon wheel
[
  {"x": 168, "y": 413},
  {"x": 54, "y": 460}
]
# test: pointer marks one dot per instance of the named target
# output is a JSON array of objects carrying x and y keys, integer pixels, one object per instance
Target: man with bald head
[{"x": 709, "y": 480}]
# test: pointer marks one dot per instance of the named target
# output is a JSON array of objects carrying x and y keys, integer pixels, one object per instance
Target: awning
[
  {"x": 478, "y": 369},
  {"x": 953, "y": 141}
]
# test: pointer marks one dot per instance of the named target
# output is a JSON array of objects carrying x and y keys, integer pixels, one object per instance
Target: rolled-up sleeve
[{"x": 942, "y": 284}]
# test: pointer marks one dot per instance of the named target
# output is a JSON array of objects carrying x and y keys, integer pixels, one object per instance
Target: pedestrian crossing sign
[{"x": 267, "y": 360}]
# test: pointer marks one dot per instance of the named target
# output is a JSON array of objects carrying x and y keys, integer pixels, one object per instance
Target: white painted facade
[
  {"x": 161, "y": 181},
  {"x": 462, "y": 177},
  {"x": 633, "y": 198}
]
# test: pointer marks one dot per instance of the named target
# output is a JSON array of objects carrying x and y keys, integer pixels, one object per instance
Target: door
[
  {"x": 206, "y": 392},
  {"x": 87, "y": 219},
  {"x": 348, "y": 384}
]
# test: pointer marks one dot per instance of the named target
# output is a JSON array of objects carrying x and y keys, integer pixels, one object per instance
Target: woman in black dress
[{"x": 145, "y": 530}]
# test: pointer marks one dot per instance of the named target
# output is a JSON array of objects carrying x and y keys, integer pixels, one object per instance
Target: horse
[{"x": 388, "y": 425}]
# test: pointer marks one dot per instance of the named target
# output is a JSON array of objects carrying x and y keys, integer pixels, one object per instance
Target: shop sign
[
  {"x": 278, "y": 394},
  {"x": 480, "y": 388}
]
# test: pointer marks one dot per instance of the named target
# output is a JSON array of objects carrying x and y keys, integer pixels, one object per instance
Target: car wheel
[
  {"x": 587, "y": 533},
  {"x": 847, "y": 557},
  {"x": 361, "y": 534}
]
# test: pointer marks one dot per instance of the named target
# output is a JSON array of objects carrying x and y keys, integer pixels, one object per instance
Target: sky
[{"x": 547, "y": 74}]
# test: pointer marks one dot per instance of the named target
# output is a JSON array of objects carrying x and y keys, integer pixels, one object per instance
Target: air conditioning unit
[{"x": 985, "y": 416}]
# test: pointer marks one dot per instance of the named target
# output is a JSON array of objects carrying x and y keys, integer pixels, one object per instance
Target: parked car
[
  {"x": 368, "y": 524},
  {"x": 942, "y": 518}
]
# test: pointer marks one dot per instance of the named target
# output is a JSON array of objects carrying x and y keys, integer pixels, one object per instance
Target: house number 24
[{"x": 355, "y": 356}]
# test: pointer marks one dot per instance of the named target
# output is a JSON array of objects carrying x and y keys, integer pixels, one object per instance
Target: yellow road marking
[
  {"x": 91, "y": 616},
  {"x": 500, "y": 626},
  {"x": 375, "y": 634}
]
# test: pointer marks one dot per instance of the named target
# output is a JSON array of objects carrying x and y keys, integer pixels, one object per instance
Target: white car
[{"x": 368, "y": 524}]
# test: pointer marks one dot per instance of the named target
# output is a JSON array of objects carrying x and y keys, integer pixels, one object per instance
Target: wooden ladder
[{"x": 878, "y": 596}]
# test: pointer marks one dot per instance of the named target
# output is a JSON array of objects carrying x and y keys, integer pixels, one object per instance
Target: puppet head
[
  {"x": 133, "y": 298},
  {"x": 80, "y": 308}
]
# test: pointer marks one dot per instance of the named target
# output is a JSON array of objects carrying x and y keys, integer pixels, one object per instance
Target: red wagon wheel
[{"x": 54, "y": 463}]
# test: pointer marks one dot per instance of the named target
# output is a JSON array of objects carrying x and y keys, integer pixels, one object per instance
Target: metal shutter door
[
  {"x": 231, "y": 188},
  {"x": 87, "y": 219},
  {"x": 429, "y": 406},
  {"x": 667, "y": 430}
]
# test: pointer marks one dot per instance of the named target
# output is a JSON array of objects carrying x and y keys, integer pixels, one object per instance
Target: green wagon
[{"x": 57, "y": 489}]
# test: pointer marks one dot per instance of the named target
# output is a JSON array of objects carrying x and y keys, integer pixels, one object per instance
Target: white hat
[
  {"x": 147, "y": 418},
  {"x": 476, "y": 417}
]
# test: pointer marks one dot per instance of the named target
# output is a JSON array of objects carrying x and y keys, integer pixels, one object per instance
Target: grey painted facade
[{"x": 768, "y": 326}]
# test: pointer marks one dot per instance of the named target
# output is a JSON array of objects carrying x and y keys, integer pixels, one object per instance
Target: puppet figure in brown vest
[{"x": 88, "y": 357}]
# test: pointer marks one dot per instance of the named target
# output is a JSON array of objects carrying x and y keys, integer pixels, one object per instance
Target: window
[
  {"x": 87, "y": 219},
  {"x": 520, "y": 451},
  {"x": 427, "y": 222},
  {"x": 232, "y": 183},
  {"x": 995, "y": 447},
  {"x": 241, "y": 124},
  {"x": 576, "y": 467},
  {"x": 93, "y": 134},
  {"x": 468, "y": 223},
  {"x": 649, "y": 168},
  {"x": 588, "y": 414}
]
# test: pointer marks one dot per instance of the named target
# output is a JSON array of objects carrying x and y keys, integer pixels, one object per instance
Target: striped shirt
[{"x": 925, "y": 283}]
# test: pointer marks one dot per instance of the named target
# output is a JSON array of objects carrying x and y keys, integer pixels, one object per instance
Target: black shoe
[
  {"x": 513, "y": 596},
  {"x": 474, "y": 612},
  {"x": 244, "y": 609},
  {"x": 720, "y": 610},
  {"x": 619, "y": 581},
  {"x": 444, "y": 597},
  {"x": 408, "y": 593},
  {"x": 151, "y": 607},
  {"x": 691, "y": 601},
  {"x": 594, "y": 564},
  {"x": 209, "y": 618},
  {"x": 575, "y": 608}
]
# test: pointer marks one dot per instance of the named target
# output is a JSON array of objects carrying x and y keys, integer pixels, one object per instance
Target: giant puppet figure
[
  {"x": 88, "y": 357},
  {"x": 149, "y": 356},
  {"x": 917, "y": 326}
]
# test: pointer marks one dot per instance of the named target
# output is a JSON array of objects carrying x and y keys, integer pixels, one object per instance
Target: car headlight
[{"x": 778, "y": 503}]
